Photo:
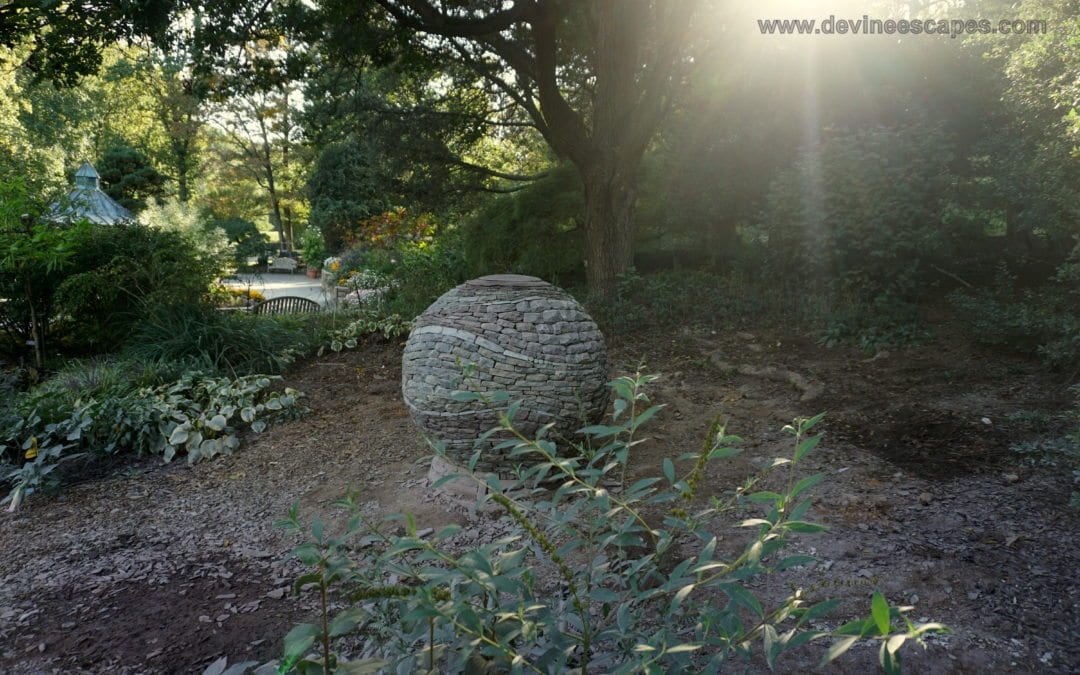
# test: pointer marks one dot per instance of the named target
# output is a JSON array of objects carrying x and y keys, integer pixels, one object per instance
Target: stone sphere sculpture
[{"x": 503, "y": 333}]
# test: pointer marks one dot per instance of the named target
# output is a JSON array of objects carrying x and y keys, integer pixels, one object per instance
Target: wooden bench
[
  {"x": 282, "y": 264},
  {"x": 286, "y": 304}
]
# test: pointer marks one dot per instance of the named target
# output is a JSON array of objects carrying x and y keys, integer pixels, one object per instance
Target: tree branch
[
  {"x": 519, "y": 177},
  {"x": 568, "y": 133},
  {"x": 426, "y": 18}
]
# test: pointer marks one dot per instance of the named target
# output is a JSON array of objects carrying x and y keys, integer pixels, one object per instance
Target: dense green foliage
[
  {"x": 345, "y": 188},
  {"x": 129, "y": 406},
  {"x": 128, "y": 177},
  {"x": 34, "y": 257},
  {"x": 235, "y": 343},
  {"x": 121, "y": 274},
  {"x": 535, "y": 230},
  {"x": 244, "y": 237}
]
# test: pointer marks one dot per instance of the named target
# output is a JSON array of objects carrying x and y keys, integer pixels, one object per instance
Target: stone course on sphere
[{"x": 503, "y": 333}]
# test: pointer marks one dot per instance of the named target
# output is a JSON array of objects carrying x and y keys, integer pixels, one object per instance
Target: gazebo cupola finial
[{"x": 87, "y": 177}]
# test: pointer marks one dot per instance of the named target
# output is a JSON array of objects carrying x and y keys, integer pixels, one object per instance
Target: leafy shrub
[
  {"x": 233, "y": 343},
  {"x": 587, "y": 578},
  {"x": 368, "y": 323},
  {"x": 197, "y": 415},
  {"x": 232, "y": 296},
  {"x": 35, "y": 256},
  {"x": 862, "y": 211},
  {"x": 346, "y": 187},
  {"x": 1038, "y": 321},
  {"x": 121, "y": 273},
  {"x": 415, "y": 274},
  {"x": 536, "y": 231},
  {"x": 313, "y": 248},
  {"x": 242, "y": 235}
]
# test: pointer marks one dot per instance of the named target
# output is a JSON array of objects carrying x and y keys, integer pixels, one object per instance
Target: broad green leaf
[
  {"x": 805, "y": 484},
  {"x": 764, "y": 496},
  {"x": 669, "y": 470},
  {"x": 810, "y": 423},
  {"x": 601, "y": 430},
  {"x": 806, "y": 446},
  {"x": 803, "y": 526},
  {"x": 744, "y": 598},
  {"x": 346, "y": 621},
  {"x": 299, "y": 640},
  {"x": 724, "y": 453},
  {"x": 680, "y": 596},
  {"x": 179, "y": 436},
  {"x": 879, "y": 609},
  {"x": 647, "y": 415}
]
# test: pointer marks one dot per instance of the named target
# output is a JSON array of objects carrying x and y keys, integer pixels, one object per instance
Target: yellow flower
[{"x": 32, "y": 452}]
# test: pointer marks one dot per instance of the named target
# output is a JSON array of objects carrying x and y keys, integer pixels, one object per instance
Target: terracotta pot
[{"x": 312, "y": 273}]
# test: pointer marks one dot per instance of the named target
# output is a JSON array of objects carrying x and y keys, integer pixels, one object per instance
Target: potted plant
[{"x": 314, "y": 249}]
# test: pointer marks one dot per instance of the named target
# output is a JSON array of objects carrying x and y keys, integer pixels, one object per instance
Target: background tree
[
  {"x": 441, "y": 143},
  {"x": 346, "y": 187},
  {"x": 128, "y": 177},
  {"x": 595, "y": 78},
  {"x": 258, "y": 123},
  {"x": 179, "y": 106}
]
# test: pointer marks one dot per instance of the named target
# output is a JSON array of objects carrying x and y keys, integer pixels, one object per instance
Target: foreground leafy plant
[{"x": 586, "y": 579}]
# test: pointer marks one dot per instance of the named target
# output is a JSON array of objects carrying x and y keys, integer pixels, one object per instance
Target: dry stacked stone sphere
[{"x": 499, "y": 333}]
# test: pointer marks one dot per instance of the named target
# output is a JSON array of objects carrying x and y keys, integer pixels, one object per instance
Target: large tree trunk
[{"x": 610, "y": 196}]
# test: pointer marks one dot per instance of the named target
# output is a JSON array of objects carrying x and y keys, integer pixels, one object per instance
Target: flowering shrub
[
  {"x": 233, "y": 296},
  {"x": 389, "y": 229}
]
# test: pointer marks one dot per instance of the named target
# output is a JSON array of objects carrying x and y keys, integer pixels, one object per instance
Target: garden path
[{"x": 273, "y": 285}]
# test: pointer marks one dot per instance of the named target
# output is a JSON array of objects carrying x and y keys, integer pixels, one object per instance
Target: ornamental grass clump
[{"x": 592, "y": 575}]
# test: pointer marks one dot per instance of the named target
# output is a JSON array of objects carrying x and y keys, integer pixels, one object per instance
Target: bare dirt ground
[{"x": 150, "y": 568}]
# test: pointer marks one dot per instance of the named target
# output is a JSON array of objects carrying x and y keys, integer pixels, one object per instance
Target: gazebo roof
[{"x": 86, "y": 201}]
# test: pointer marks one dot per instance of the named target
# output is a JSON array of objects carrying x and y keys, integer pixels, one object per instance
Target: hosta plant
[{"x": 198, "y": 415}]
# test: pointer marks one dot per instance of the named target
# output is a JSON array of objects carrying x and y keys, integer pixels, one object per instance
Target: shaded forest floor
[{"x": 148, "y": 568}]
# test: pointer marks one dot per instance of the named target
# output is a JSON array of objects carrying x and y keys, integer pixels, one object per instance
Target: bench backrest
[
  {"x": 283, "y": 264},
  {"x": 286, "y": 304}
]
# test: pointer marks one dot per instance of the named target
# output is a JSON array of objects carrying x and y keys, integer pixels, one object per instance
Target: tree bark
[{"x": 610, "y": 199}]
